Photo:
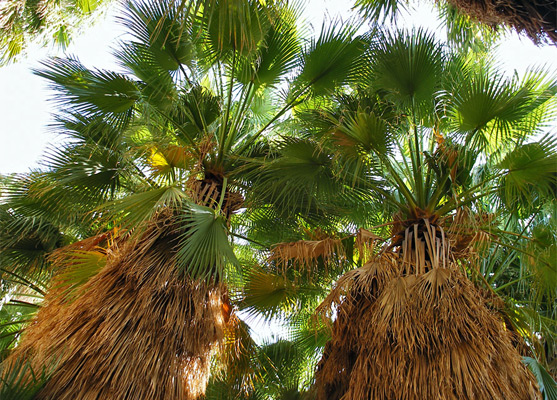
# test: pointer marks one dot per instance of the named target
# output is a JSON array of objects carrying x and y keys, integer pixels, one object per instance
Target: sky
[{"x": 25, "y": 109}]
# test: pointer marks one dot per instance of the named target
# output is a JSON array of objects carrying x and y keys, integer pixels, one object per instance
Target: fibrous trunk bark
[
  {"x": 410, "y": 325},
  {"x": 139, "y": 329}
]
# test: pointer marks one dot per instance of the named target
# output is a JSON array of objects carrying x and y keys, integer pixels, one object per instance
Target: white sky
[{"x": 25, "y": 110}]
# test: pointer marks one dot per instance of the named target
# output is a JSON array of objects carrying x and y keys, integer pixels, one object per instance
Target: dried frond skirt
[
  {"x": 137, "y": 330},
  {"x": 417, "y": 336}
]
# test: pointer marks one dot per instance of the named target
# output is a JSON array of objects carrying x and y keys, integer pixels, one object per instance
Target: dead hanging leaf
[
  {"x": 365, "y": 243},
  {"x": 367, "y": 281},
  {"x": 468, "y": 238},
  {"x": 305, "y": 253}
]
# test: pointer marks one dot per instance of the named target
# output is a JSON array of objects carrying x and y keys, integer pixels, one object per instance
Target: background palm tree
[
  {"x": 24, "y": 22},
  {"x": 536, "y": 19}
]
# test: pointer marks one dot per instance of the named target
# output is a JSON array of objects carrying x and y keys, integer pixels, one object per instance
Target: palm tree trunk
[
  {"x": 139, "y": 329},
  {"x": 410, "y": 325}
]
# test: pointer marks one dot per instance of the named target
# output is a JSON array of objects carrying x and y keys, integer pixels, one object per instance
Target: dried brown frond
[
  {"x": 410, "y": 325},
  {"x": 468, "y": 238},
  {"x": 365, "y": 281},
  {"x": 305, "y": 253},
  {"x": 138, "y": 329},
  {"x": 235, "y": 362},
  {"x": 536, "y": 18},
  {"x": 365, "y": 243}
]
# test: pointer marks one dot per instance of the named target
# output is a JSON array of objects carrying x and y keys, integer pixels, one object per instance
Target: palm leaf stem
[
  {"x": 492, "y": 260},
  {"x": 517, "y": 236},
  {"x": 429, "y": 175},
  {"x": 401, "y": 150},
  {"x": 439, "y": 190},
  {"x": 182, "y": 69},
  {"x": 513, "y": 282},
  {"x": 21, "y": 321},
  {"x": 399, "y": 183},
  {"x": 224, "y": 125},
  {"x": 295, "y": 101},
  {"x": 22, "y": 303},
  {"x": 222, "y": 193},
  {"x": 194, "y": 145},
  {"x": 406, "y": 170},
  {"x": 532, "y": 217},
  {"x": 248, "y": 96},
  {"x": 24, "y": 281},
  {"x": 418, "y": 178},
  {"x": 248, "y": 239},
  {"x": 220, "y": 87},
  {"x": 518, "y": 249},
  {"x": 484, "y": 280},
  {"x": 15, "y": 333},
  {"x": 144, "y": 177},
  {"x": 453, "y": 204}
]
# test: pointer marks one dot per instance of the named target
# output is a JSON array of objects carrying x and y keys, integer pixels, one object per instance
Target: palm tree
[
  {"x": 157, "y": 162},
  {"x": 23, "y": 22},
  {"x": 449, "y": 152},
  {"x": 537, "y": 19}
]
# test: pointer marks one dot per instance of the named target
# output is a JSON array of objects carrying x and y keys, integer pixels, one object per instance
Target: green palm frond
[
  {"x": 367, "y": 132},
  {"x": 548, "y": 387},
  {"x": 203, "y": 249},
  {"x": 18, "y": 380},
  {"x": 531, "y": 174},
  {"x": 75, "y": 267},
  {"x": 196, "y": 112},
  {"x": 135, "y": 209},
  {"x": 157, "y": 86},
  {"x": 297, "y": 179},
  {"x": 26, "y": 22},
  {"x": 22, "y": 292},
  {"x": 380, "y": 10},
  {"x": 238, "y": 372},
  {"x": 158, "y": 33},
  {"x": 14, "y": 316},
  {"x": 235, "y": 26},
  {"x": 489, "y": 108},
  {"x": 334, "y": 59},
  {"x": 276, "y": 56},
  {"x": 540, "y": 261},
  {"x": 83, "y": 130},
  {"x": 267, "y": 294},
  {"x": 91, "y": 92},
  {"x": 32, "y": 226},
  {"x": 98, "y": 172},
  {"x": 407, "y": 65},
  {"x": 465, "y": 33}
]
